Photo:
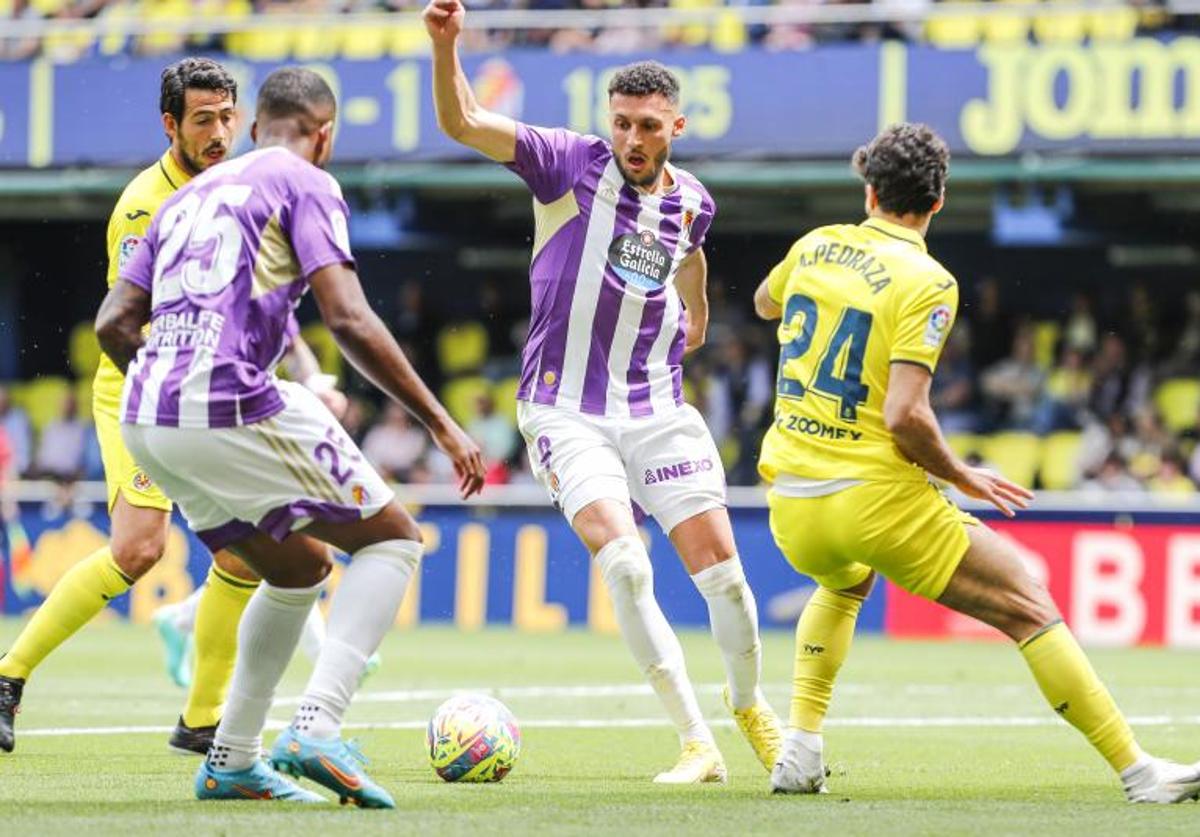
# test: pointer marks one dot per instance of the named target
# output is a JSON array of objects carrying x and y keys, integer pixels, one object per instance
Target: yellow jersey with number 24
[{"x": 855, "y": 300}]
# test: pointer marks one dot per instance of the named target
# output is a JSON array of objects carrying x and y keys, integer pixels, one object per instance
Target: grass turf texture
[{"x": 889, "y": 779}]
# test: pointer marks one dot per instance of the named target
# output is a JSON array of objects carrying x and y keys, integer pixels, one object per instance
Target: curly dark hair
[
  {"x": 192, "y": 74},
  {"x": 645, "y": 78},
  {"x": 907, "y": 164}
]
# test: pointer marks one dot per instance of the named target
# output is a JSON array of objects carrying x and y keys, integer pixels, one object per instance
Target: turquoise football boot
[
  {"x": 336, "y": 764},
  {"x": 373, "y": 663},
  {"x": 175, "y": 643},
  {"x": 256, "y": 782}
]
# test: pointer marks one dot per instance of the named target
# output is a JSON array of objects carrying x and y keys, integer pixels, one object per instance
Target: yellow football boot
[
  {"x": 760, "y": 725},
  {"x": 699, "y": 762}
]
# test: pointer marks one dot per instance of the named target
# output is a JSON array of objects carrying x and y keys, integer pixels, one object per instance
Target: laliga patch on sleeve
[
  {"x": 938, "y": 325},
  {"x": 126, "y": 249}
]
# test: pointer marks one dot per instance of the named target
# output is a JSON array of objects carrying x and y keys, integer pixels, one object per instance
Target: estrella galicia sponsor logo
[
  {"x": 640, "y": 260},
  {"x": 680, "y": 469},
  {"x": 814, "y": 427}
]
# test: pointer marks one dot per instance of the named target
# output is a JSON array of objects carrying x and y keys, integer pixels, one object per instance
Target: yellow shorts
[
  {"x": 908, "y": 531},
  {"x": 122, "y": 474}
]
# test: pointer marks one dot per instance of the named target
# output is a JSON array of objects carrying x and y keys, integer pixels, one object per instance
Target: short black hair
[
  {"x": 645, "y": 78},
  {"x": 192, "y": 74},
  {"x": 907, "y": 164},
  {"x": 294, "y": 92}
]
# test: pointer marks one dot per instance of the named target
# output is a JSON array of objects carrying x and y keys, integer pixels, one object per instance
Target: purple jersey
[
  {"x": 606, "y": 335},
  {"x": 225, "y": 261}
]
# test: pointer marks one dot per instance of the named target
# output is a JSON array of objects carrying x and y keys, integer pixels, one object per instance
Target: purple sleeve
[
  {"x": 702, "y": 221},
  {"x": 318, "y": 225},
  {"x": 139, "y": 270},
  {"x": 551, "y": 160}
]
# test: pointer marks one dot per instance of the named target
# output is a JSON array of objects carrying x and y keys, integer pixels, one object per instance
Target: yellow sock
[
  {"x": 823, "y": 637},
  {"x": 78, "y": 596},
  {"x": 217, "y": 616},
  {"x": 1071, "y": 686}
]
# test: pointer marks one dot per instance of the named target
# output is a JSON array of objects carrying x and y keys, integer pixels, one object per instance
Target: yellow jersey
[
  {"x": 126, "y": 228},
  {"x": 855, "y": 299}
]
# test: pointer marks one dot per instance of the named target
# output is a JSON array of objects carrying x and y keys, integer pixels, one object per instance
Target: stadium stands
[{"x": 725, "y": 30}]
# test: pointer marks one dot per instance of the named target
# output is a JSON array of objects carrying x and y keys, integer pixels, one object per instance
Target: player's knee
[
  {"x": 230, "y": 564},
  {"x": 136, "y": 557},
  {"x": 625, "y": 566},
  {"x": 1030, "y": 609}
]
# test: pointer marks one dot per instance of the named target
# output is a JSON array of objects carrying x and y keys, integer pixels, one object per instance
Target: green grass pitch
[{"x": 924, "y": 738}]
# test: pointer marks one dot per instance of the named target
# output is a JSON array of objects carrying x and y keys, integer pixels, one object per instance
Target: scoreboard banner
[
  {"x": 1118, "y": 579},
  {"x": 1134, "y": 97}
]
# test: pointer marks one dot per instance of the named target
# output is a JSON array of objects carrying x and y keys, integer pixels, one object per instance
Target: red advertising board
[{"x": 1116, "y": 585}]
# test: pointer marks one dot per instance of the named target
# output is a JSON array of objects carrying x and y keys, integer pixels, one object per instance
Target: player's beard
[
  {"x": 195, "y": 165},
  {"x": 651, "y": 176}
]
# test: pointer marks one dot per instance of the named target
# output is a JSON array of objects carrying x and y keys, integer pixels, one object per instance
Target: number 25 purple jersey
[{"x": 225, "y": 261}]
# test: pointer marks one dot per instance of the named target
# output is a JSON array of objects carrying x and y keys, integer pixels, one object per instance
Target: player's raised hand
[
  {"x": 466, "y": 455},
  {"x": 444, "y": 20},
  {"x": 989, "y": 486}
]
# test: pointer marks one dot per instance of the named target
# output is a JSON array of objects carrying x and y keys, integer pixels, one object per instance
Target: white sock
[
  {"x": 629, "y": 577},
  {"x": 364, "y": 608},
  {"x": 734, "y": 619},
  {"x": 814, "y": 742},
  {"x": 267, "y": 639},
  {"x": 313, "y": 636}
]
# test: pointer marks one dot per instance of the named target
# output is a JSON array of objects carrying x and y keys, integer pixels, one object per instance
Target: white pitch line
[
  {"x": 947, "y": 722},
  {"x": 606, "y": 690}
]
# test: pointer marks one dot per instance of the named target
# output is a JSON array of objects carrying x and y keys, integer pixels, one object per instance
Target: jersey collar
[
  {"x": 172, "y": 171},
  {"x": 896, "y": 231}
]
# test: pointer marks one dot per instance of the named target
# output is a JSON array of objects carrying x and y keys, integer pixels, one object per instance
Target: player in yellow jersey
[
  {"x": 864, "y": 313},
  {"x": 198, "y": 101}
]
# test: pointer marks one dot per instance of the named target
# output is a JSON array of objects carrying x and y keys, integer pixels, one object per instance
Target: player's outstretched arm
[
  {"x": 459, "y": 115},
  {"x": 692, "y": 283},
  {"x": 764, "y": 306},
  {"x": 367, "y": 343},
  {"x": 119, "y": 322},
  {"x": 914, "y": 427}
]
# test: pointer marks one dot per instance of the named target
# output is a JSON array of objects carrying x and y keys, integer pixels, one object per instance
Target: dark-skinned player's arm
[
  {"x": 371, "y": 348},
  {"x": 459, "y": 115},
  {"x": 914, "y": 427},
  {"x": 119, "y": 322},
  {"x": 691, "y": 281}
]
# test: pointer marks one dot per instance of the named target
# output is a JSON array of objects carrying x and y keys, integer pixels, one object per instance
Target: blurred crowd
[
  {"x": 724, "y": 30},
  {"x": 1087, "y": 401}
]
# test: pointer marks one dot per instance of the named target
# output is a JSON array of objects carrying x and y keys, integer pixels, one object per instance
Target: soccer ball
[{"x": 473, "y": 738}]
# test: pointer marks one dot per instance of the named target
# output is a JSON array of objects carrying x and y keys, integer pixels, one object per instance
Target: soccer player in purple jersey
[
  {"x": 260, "y": 466},
  {"x": 618, "y": 284}
]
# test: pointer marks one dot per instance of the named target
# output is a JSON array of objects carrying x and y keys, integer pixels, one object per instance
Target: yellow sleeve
[
  {"x": 777, "y": 278},
  {"x": 126, "y": 228},
  {"x": 924, "y": 320}
]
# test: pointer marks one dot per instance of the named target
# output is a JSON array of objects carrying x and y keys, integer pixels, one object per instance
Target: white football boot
[
  {"x": 801, "y": 767},
  {"x": 1158, "y": 780}
]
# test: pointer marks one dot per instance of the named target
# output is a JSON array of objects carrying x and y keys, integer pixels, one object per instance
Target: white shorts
[
  {"x": 666, "y": 464},
  {"x": 273, "y": 476}
]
